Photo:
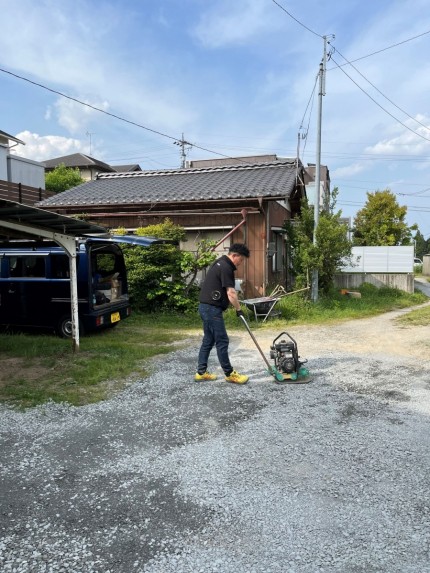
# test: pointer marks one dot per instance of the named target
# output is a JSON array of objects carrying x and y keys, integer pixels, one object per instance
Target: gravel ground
[{"x": 173, "y": 476}]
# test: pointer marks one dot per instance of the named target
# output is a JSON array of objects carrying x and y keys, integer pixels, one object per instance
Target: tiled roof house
[
  {"x": 240, "y": 202},
  {"x": 88, "y": 166}
]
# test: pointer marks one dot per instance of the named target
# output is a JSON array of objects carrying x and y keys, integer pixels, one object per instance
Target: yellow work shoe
[
  {"x": 205, "y": 376},
  {"x": 236, "y": 378}
]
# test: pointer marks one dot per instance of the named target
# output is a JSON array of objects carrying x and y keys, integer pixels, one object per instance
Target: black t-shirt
[{"x": 218, "y": 279}]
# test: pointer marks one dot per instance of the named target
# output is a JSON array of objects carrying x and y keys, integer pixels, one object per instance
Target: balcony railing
[{"x": 23, "y": 193}]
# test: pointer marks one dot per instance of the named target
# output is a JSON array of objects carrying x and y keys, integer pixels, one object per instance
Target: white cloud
[
  {"x": 412, "y": 141},
  {"x": 75, "y": 117},
  {"x": 234, "y": 22},
  {"x": 41, "y": 148},
  {"x": 65, "y": 41},
  {"x": 348, "y": 171},
  {"x": 84, "y": 62}
]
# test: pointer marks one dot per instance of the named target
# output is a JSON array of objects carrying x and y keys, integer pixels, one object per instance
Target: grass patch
[
  {"x": 418, "y": 317},
  {"x": 36, "y": 368},
  {"x": 295, "y": 309}
]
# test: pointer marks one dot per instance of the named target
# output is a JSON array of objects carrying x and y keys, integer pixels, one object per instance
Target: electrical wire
[
  {"x": 296, "y": 20},
  {"x": 87, "y": 104},
  {"x": 304, "y": 136},
  {"x": 416, "y": 194},
  {"x": 378, "y": 104},
  {"x": 379, "y": 91},
  {"x": 361, "y": 57},
  {"x": 311, "y": 101},
  {"x": 385, "y": 49},
  {"x": 350, "y": 63},
  {"x": 174, "y": 139}
]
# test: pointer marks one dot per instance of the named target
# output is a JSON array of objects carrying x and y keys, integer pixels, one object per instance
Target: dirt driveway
[{"x": 381, "y": 335}]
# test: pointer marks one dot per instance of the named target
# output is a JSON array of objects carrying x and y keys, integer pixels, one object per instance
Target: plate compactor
[
  {"x": 285, "y": 355},
  {"x": 288, "y": 368}
]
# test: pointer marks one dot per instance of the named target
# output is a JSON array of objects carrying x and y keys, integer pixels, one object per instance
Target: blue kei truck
[{"x": 35, "y": 286}]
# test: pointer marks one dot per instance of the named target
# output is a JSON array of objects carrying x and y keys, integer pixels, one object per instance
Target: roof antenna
[{"x": 88, "y": 134}]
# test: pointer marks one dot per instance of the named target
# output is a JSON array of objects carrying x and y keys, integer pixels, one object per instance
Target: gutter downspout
[
  {"x": 266, "y": 252},
  {"x": 243, "y": 213}
]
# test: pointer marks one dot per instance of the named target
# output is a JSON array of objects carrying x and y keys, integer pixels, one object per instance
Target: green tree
[
  {"x": 381, "y": 222},
  {"x": 193, "y": 262},
  {"x": 331, "y": 252},
  {"x": 163, "y": 276},
  {"x": 421, "y": 245},
  {"x": 62, "y": 178}
]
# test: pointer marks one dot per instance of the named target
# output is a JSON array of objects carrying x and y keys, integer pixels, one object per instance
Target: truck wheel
[{"x": 64, "y": 327}]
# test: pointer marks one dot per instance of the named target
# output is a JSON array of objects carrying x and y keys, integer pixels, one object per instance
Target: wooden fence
[{"x": 23, "y": 193}]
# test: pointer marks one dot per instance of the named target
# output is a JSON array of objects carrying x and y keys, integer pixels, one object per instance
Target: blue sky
[{"x": 235, "y": 77}]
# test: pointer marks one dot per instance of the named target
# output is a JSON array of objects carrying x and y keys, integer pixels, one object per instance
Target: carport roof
[{"x": 28, "y": 221}]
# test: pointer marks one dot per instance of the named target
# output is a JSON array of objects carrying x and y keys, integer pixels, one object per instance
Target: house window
[
  {"x": 278, "y": 252},
  {"x": 197, "y": 234}
]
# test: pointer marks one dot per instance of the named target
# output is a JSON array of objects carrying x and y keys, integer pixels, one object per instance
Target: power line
[
  {"x": 378, "y": 104},
  {"x": 87, "y": 104},
  {"x": 381, "y": 158},
  {"x": 174, "y": 139},
  {"x": 416, "y": 194},
  {"x": 361, "y": 57},
  {"x": 379, "y": 91},
  {"x": 296, "y": 20},
  {"x": 350, "y": 63},
  {"x": 305, "y": 134},
  {"x": 385, "y": 49}
]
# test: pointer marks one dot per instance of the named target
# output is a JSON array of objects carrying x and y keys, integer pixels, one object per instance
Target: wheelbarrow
[
  {"x": 264, "y": 306},
  {"x": 261, "y": 307}
]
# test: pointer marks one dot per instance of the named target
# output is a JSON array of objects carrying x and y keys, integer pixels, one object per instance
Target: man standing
[{"x": 218, "y": 291}]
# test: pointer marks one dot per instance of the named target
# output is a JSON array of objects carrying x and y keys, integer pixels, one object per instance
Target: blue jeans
[{"x": 214, "y": 334}]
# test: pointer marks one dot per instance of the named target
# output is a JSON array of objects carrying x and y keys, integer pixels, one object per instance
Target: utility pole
[
  {"x": 321, "y": 93},
  {"x": 185, "y": 146}
]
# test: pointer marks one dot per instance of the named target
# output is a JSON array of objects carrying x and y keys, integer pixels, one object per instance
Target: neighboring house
[
  {"x": 240, "y": 202},
  {"x": 89, "y": 167},
  {"x": 127, "y": 168},
  {"x": 324, "y": 196},
  {"x": 21, "y": 180}
]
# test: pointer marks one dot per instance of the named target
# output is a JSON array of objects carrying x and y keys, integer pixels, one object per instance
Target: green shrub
[{"x": 161, "y": 277}]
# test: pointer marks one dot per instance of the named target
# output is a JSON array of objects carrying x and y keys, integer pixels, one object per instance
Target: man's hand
[{"x": 239, "y": 313}]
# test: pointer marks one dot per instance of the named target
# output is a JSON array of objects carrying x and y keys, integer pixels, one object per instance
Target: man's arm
[{"x": 232, "y": 297}]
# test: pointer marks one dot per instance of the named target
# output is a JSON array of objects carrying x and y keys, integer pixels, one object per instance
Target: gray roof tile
[{"x": 271, "y": 179}]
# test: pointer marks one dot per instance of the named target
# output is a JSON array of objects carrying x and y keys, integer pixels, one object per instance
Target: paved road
[{"x": 423, "y": 285}]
